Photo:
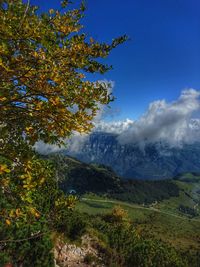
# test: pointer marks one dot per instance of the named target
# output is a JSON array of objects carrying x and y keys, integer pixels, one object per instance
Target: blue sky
[{"x": 163, "y": 54}]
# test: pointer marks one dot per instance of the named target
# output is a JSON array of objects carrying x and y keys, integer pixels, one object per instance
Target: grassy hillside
[
  {"x": 178, "y": 230},
  {"x": 188, "y": 201},
  {"x": 180, "y": 195},
  {"x": 84, "y": 178}
]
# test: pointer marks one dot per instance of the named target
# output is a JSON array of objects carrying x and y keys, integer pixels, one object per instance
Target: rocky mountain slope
[{"x": 152, "y": 161}]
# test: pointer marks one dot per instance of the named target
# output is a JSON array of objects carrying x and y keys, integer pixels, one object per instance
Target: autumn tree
[
  {"x": 44, "y": 95},
  {"x": 44, "y": 61}
]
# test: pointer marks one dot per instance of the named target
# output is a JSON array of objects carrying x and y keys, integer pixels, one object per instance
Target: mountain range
[{"x": 150, "y": 161}]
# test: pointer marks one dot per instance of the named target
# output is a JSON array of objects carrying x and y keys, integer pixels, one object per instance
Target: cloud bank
[
  {"x": 73, "y": 144},
  {"x": 172, "y": 122}
]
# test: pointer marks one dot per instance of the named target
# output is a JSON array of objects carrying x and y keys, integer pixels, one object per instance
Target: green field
[{"x": 178, "y": 230}]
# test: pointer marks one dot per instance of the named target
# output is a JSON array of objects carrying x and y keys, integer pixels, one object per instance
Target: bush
[
  {"x": 126, "y": 248},
  {"x": 31, "y": 246},
  {"x": 72, "y": 223},
  {"x": 89, "y": 258}
]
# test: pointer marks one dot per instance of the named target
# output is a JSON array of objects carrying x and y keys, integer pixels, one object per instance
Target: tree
[
  {"x": 44, "y": 95},
  {"x": 44, "y": 60}
]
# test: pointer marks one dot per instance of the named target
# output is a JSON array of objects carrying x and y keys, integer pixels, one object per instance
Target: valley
[
  {"x": 166, "y": 210},
  {"x": 163, "y": 211},
  {"x": 179, "y": 195}
]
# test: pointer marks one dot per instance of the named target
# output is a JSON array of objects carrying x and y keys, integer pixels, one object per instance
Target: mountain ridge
[
  {"x": 99, "y": 179},
  {"x": 153, "y": 161}
]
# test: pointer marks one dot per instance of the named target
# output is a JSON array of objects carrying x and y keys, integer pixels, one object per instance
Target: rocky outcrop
[{"x": 71, "y": 255}]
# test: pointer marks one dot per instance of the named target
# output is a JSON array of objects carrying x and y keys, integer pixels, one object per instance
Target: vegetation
[
  {"x": 189, "y": 184},
  {"x": 156, "y": 222},
  {"x": 191, "y": 177},
  {"x": 187, "y": 210},
  {"x": 123, "y": 246},
  {"x": 154, "y": 225},
  {"x": 44, "y": 60},
  {"x": 99, "y": 179},
  {"x": 44, "y": 96}
]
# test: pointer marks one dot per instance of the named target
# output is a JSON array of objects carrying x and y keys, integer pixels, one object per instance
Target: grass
[
  {"x": 180, "y": 231},
  {"x": 188, "y": 197}
]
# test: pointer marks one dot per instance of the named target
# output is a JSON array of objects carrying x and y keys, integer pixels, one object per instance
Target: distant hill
[
  {"x": 73, "y": 174},
  {"x": 153, "y": 161},
  {"x": 99, "y": 179},
  {"x": 180, "y": 194},
  {"x": 191, "y": 177}
]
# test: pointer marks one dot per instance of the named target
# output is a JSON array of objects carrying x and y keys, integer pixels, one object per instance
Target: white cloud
[
  {"x": 46, "y": 149},
  {"x": 116, "y": 127},
  {"x": 171, "y": 122},
  {"x": 73, "y": 144}
]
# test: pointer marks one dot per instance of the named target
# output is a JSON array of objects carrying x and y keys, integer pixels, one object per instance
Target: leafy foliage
[
  {"x": 29, "y": 216},
  {"x": 71, "y": 223},
  {"x": 43, "y": 62},
  {"x": 31, "y": 245},
  {"x": 44, "y": 95}
]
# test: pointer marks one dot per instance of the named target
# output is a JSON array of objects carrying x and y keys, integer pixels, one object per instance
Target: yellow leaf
[
  {"x": 4, "y": 168},
  {"x": 55, "y": 101},
  {"x": 18, "y": 212},
  {"x": 5, "y": 182},
  {"x": 34, "y": 212},
  {"x": 29, "y": 129},
  {"x": 5, "y": 67},
  {"x": 51, "y": 11},
  {"x": 8, "y": 222},
  {"x": 37, "y": 215},
  {"x": 42, "y": 180},
  {"x": 91, "y": 40},
  {"x": 2, "y": 98}
]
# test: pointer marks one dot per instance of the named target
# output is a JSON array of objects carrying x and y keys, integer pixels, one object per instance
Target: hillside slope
[
  {"x": 98, "y": 179},
  {"x": 179, "y": 195}
]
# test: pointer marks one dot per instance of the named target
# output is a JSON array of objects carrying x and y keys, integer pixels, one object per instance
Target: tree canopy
[
  {"x": 44, "y": 95},
  {"x": 44, "y": 61}
]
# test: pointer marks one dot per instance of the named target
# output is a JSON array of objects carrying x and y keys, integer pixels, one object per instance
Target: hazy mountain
[{"x": 149, "y": 161}]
